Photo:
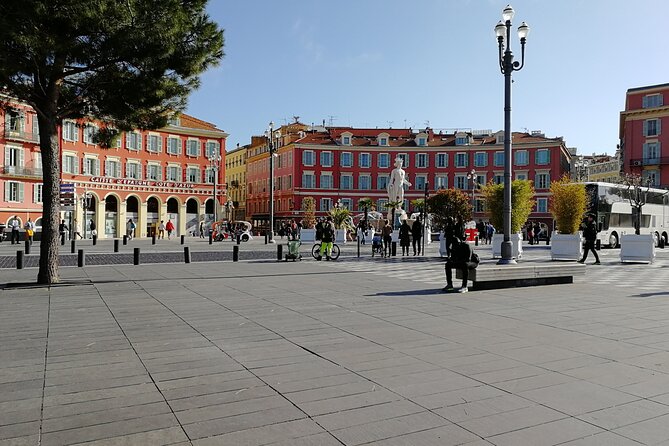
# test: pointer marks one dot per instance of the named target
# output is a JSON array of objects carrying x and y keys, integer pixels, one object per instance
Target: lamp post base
[
  {"x": 507, "y": 254},
  {"x": 271, "y": 241}
]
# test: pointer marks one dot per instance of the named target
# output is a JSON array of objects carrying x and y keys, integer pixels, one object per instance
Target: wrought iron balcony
[
  {"x": 20, "y": 135},
  {"x": 649, "y": 161},
  {"x": 22, "y": 171}
]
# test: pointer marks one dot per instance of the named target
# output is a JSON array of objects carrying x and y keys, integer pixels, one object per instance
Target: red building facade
[
  {"x": 148, "y": 176},
  {"x": 641, "y": 135},
  {"x": 340, "y": 164}
]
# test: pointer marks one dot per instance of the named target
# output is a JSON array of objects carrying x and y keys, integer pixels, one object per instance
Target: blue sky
[{"x": 375, "y": 63}]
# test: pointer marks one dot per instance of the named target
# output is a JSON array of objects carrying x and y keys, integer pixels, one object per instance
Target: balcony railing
[
  {"x": 649, "y": 161},
  {"x": 20, "y": 135},
  {"x": 22, "y": 171}
]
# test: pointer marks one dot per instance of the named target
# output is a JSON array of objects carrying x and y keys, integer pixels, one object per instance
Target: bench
[{"x": 510, "y": 276}]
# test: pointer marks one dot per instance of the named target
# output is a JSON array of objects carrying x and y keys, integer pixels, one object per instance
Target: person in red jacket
[{"x": 170, "y": 228}]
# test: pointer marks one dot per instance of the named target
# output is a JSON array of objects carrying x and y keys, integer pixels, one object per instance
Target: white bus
[{"x": 613, "y": 211}]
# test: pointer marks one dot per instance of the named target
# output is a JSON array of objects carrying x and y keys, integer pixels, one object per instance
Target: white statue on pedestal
[{"x": 396, "y": 184}]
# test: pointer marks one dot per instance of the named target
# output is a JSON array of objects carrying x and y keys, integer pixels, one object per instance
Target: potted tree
[
  {"x": 522, "y": 202},
  {"x": 568, "y": 205},
  {"x": 637, "y": 247},
  {"x": 341, "y": 217},
  {"x": 448, "y": 203},
  {"x": 308, "y": 231}
]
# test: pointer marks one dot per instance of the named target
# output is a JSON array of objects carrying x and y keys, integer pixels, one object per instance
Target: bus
[{"x": 611, "y": 207}]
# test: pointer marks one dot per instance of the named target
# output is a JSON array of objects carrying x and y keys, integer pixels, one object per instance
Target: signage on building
[{"x": 131, "y": 182}]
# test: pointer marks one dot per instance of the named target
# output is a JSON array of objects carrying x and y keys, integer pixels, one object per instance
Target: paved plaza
[{"x": 354, "y": 352}]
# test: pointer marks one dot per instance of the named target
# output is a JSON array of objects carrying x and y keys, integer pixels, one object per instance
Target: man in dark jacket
[
  {"x": 416, "y": 234},
  {"x": 461, "y": 258},
  {"x": 590, "y": 235}
]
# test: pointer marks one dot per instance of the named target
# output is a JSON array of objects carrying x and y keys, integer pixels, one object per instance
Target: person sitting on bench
[{"x": 462, "y": 258}]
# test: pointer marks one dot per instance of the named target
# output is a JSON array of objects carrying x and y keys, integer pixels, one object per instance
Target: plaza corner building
[{"x": 149, "y": 176}]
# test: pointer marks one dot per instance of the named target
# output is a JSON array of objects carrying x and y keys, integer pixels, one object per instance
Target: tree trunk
[{"x": 48, "y": 261}]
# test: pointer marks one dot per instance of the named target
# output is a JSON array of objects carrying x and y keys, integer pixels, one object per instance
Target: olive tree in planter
[
  {"x": 308, "y": 233},
  {"x": 568, "y": 205},
  {"x": 637, "y": 247},
  {"x": 522, "y": 202},
  {"x": 341, "y": 217},
  {"x": 446, "y": 203}
]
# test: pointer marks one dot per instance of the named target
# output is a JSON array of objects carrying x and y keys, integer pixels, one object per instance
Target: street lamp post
[
  {"x": 507, "y": 66},
  {"x": 214, "y": 165},
  {"x": 270, "y": 134},
  {"x": 471, "y": 176},
  {"x": 85, "y": 204},
  {"x": 424, "y": 212}
]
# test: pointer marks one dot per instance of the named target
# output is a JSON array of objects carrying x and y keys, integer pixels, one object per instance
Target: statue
[{"x": 396, "y": 184}]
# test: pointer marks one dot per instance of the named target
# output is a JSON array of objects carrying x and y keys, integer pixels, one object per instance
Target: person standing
[
  {"x": 327, "y": 239},
  {"x": 77, "y": 230},
  {"x": 417, "y": 235},
  {"x": 94, "y": 232},
  {"x": 130, "y": 229},
  {"x": 480, "y": 229},
  {"x": 459, "y": 228},
  {"x": 170, "y": 229},
  {"x": 161, "y": 230},
  {"x": 405, "y": 236},
  {"x": 448, "y": 234},
  {"x": 590, "y": 234},
  {"x": 202, "y": 229},
  {"x": 462, "y": 258},
  {"x": 15, "y": 226},
  {"x": 62, "y": 229},
  {"x": 30, "y": 230},
  {"x": 387, "y": 233},
  {"x": 536, "y": 231}
]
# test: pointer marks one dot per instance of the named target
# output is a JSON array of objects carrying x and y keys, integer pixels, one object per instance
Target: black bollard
[
  {"x": 186, "y": 254},
  {"x": 183, "y": 239},
  {"x": 19, "y": 259},
  {"x": 125, "y": 240},
  {"x": 235, "y": 253},
  {"x": 266, "y": 237},
  {"x": 211, "y": 238},
  {"x": 73, "y": 246},
  {"x": 476, "y": 240},
  {"x": 239, "y": 238},
  {"x": 393, "y": 245},
  {"x": 135, "y": 256},
  {"x": 548, "y": 240},
  {"x": 95, "y": 240},
  {"x": 116, "y": 245},
  {"x": 27, "y": 246},
  {"x": 358, "y": 246},
  {"x": 153, "y": 239},
  {"x": 279, "y": 252},
  {"x": 81, "y": 259}
]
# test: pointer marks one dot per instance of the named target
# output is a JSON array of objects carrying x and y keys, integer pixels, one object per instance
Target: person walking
[
  {"x": 590, "y": 235},
  {"x": 405, "y": 237},
  {"x": 327, "y": 239},
  {"x": 130, "y": 229},
  {"x": 170, "y": 229},
  {"x": 14, "y": 225},
  {"x": 536, "y": 231},
  {"x": 530, "y": 233},
  {"x": 459, "y": 228},
  {"x": 462, "y": 258},
  {"x": 77, "y": 230},
  {"x": 202, "y": 229},
  {"x": 30, "y": 230},
  {"x": 94, "y": 232},
  {"x": 490, "y": 231},
  {"x": 416, "y": 234},
  {"x": 387, "y": 233},
  {"x": 62, "y": 229},
  {"x": 161, "y": 230},
  {"x": 448, "y": 234},
  {"x": 480, "y": 229}
]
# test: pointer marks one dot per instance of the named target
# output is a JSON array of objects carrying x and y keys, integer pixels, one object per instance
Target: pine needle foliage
[
  {"x": 568, "y": 204},
  {"x": 522, "y": 202}
]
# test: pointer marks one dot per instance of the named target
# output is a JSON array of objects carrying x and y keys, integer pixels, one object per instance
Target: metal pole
[
  {"x": 425, "y": 234},
  {"x": 271, "y": 184}
]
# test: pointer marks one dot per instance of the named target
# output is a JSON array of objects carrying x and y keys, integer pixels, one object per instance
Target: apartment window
[
  {"x": 479, "y": 206},
  {"x": 652, "y": 177},
  {"x": 89, "y": 133},
  {"x": 420, "y": 182},
  {"x": 174, "y": 145},
  {"x": 382, "y": 182},
  {"x": 346, "y": 181},
  {"x": 193, "y": 147},
  {"x": 289, "y": 182},
  {"x": 442, "y": 159},
  {"x": 37, "y": 160},
  {"x": 38, "y": 193},
  {"x": 173, "y": 173},
  {"x": 422, "y": 141},
  {"x": 326, "y": 159},
  {"x": 542, "y": 205},
  {"x": 133, "y": 141},
  {"x": 498, "y": 159},
  {"x": 364, "y": 182},
  {"x": 461, "y": 140},
  {"x": 522, "y": 158},
  {"x": 113, "y": 168},
  {"x": 383, "y": 141},
  {"x": 405, "y": 159},
  {"x": 308, "y": 180},
  {"x": 326, "y": 181},
  {"x": 480, "y": 159},
  {"x": 70, "y": 131},
  {"x": 213, "y": 149},
  {"x": 542, "y": 181},
  {"x": 326, "y": 204},
  {"x": 133, "y": 170},
  {"x": 461, "y": 182},
  {"x": 13, "y": 157},
  {"x": 16, "y": 121},
  {"x": 652, "y": 100},
  {"x": 651, "y": 152},
  {"x": 14, "y": 191},
  {"x": 381, "y": 204},
  {"x": 193, "y": 174},
  {"x": 70, "y": 164},
  {"x": 480, "y": 180},
  {"x": 346, "y": 159},
  {"x": 364, "y": 160},
  {"x": 308, "y": 158},
  {"x": 347, "y": 203},
  {"x": 542, "y": 157},
  {"x": 651, "y": 127},
  {"x": 91, "y": 166},
  {"x": 154, "y": 143},
  {"x": 441, "y": 182},
  {"x": 346, "y": 140},
  {"x": 154, "y": 172},
  {"x": 521, "y": 175},
  {"x": 421, "y": 160},
  {"x": 461, "y": 159},
  {"x": 383, "y": 160}
]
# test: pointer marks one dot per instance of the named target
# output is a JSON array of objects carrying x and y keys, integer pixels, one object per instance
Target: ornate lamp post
[
  {"x": 507, "y": 66},
  {"x": 85, "y": 204},
  {"x": 471, "y": 176},
  {"x": 271, "y": 134},
  {"x": 214, "y": 166}
]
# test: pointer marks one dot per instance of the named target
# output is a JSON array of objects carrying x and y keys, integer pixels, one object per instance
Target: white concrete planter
[
  {"x": 442, "y": 244},
  {"x": 340, "y": 236},
  {"x": 566, "y": 246},
  {"x": 637, "y": 248},
  {"x": 516, "y": 245},
  {"x": 308, "y": 235},
  {"x": 396, "y": 236}
]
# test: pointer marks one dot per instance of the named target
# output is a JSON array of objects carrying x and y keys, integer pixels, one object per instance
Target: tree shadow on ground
[{"x": 407, "y": 293}]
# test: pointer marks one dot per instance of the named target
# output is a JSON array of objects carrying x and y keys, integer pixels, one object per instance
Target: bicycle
[{"x": 316, "y": 251}]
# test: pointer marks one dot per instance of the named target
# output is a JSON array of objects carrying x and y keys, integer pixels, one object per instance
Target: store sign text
[{"x": 131, "y": 182}]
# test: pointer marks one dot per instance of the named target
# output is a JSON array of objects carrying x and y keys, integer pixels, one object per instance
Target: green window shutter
[
  {"x": 20, "y": 192},
  {"x": 645, "y": 128}
]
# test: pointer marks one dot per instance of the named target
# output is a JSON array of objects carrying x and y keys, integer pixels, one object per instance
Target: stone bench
[{"x": 522, "y": 275}]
